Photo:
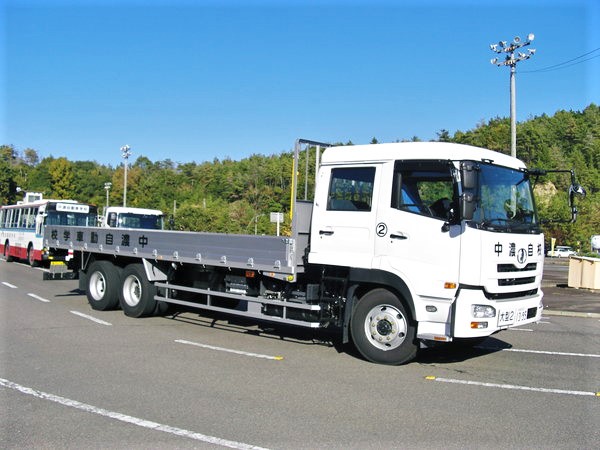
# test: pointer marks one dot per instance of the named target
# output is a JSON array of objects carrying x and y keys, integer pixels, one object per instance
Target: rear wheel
[
  {"x": 136, "y": 295},
  {"x": 7, "y": 256},
  {"x": 382, "y": 330},
  {"x": 103, "y": 286}
]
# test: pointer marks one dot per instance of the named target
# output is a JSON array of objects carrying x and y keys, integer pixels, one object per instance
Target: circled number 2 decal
[{"x": 381, "y": 229}]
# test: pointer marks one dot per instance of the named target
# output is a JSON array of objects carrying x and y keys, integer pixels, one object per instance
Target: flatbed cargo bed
[{"x": 262, "y": 253}]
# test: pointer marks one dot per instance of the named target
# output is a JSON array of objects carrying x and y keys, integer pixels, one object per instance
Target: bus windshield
[
  {"x": 134, "y": 220},
  {"x": 71, "y": 214}
]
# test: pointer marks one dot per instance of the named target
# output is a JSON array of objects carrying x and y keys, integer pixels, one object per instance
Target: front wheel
[
  {"x": 382, "y": 330},
  {"x": 31, "y": 256},
  {"x": 137, "y": 293}
]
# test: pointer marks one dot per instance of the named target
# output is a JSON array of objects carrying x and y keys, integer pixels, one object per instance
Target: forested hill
[{"x": 237, "y": 196}]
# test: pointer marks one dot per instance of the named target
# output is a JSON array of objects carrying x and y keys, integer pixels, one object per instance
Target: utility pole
[
  {"x": 125, "y": 153},
  {"x": 511, "y": 61},
  {"x": 107, "y": 187}
]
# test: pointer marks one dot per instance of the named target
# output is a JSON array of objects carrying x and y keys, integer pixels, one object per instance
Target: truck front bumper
[{"x": 475, "y": 315}]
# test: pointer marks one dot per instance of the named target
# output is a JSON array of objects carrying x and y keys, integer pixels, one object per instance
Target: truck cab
[{"x": 452, "y": 230}]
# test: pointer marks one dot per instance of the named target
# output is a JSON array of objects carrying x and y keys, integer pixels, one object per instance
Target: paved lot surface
[
  {"x": 73, "y": 378},
  {"x": 559, "y": 299}
]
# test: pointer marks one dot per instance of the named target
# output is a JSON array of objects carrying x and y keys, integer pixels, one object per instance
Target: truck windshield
[{"x": 505, "y": 201}]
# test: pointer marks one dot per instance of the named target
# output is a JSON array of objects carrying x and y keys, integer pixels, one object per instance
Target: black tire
[
  {"x": 136, "y": 295},
  {"x": 382, "y": 330},
  {"x": 7, "y": 256},
  {"x": 103, "y": 283},
  {"x": 31, "y": 256}
]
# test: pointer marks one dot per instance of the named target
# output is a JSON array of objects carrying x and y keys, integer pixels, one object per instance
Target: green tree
[{"x": 61, "y": 173}]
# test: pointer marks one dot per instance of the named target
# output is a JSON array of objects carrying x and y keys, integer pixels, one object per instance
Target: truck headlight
[{"x": 483, "y": 311}]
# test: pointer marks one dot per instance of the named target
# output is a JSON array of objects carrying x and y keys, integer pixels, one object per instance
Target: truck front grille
[
  {"x": 504, "y": 268},
  {"x": 515, "y": 281}
]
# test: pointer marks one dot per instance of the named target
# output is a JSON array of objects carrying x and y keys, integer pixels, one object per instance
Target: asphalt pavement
[{"x": 559, "y": 299}]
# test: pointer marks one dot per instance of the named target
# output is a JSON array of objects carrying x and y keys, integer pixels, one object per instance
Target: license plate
[
  {"x": 512, "y": 316},
  {"x": 57, "y": 263}
]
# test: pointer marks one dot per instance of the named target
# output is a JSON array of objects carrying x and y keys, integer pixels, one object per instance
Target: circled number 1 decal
[{"x": 381, "y": 229}]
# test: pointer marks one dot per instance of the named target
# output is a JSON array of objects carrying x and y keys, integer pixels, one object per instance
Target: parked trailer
[{"x": 403, "y": 245}]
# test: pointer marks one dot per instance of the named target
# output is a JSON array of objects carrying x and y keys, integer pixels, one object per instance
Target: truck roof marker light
[{"x": 449, "y": 285}]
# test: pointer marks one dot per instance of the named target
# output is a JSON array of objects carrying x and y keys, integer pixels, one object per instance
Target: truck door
[
  {"x": 344, "y": 216},
  {"x": 414, "y": 237}
]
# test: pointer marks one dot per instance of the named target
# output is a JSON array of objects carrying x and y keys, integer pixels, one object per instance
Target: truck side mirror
[
  {"x": 468, "y": 173},
  {"x": 576, "y": 189},
  {"x": 467, "y": 206}
]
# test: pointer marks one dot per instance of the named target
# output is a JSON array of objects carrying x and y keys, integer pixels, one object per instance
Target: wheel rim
[
  {"x": 97, "y": 285},
  {"x": 30, "y": 256},
  {"x": 132, "y": 290},
  {"x": 385, "y": 327}
]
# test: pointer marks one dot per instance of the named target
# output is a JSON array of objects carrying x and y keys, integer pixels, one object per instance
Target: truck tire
[
  {"x": 382, "y": 330},
  {"x": 136, "y": 295},
  {"x": 103, "y": 286}
]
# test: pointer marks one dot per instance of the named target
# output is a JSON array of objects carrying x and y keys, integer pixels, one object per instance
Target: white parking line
[
  {"x": 93, "y": 319},
  {"x": 12, "y": 286},
  {"x": 228, "y": 350},
  {"x": 540, "y": 352},
  {"x": 37, "y": 297},
  {"x": 512, "y": 386},
  {"x": 127, "y": 419}
]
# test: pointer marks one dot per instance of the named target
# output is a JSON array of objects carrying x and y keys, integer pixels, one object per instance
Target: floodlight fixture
[
  {"x": 125, "y": 153},
  {"x": 511, "y": 61}
]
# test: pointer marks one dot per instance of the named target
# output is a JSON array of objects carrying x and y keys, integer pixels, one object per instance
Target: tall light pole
[
  {"x": 107, "y": 187},
  {"x": 125, "y": 153},
  {"x": 511, "y": 61}
]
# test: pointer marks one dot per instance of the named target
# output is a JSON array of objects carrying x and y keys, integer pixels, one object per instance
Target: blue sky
[{"x": 198, "y": 80}]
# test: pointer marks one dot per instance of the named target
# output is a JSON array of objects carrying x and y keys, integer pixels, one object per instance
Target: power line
[{"x": 565, "y": 64}]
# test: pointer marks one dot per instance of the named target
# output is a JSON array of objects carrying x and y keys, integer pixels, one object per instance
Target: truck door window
[
  {"x": 351, "y": 189},
  {"x": 425, "y": 188}
]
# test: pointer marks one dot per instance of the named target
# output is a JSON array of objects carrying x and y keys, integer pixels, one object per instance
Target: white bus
[
  {"x": 126, "y": 217},
  {"x": 22, "y": 225}
]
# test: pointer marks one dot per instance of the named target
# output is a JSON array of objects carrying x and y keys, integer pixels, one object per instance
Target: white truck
[
  {"x": 404, "y": 244},
  {"x": 127, "y": 217}
]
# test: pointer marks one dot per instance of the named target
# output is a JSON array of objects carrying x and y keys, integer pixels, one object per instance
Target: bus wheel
[
  {"x": 136, "y": 295},
  {"x": 31, "y": 256},
  {"x": 382, "y": 330},
  {"x": 103, "y": 286},
  {"x": 7, "y": 256}
]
